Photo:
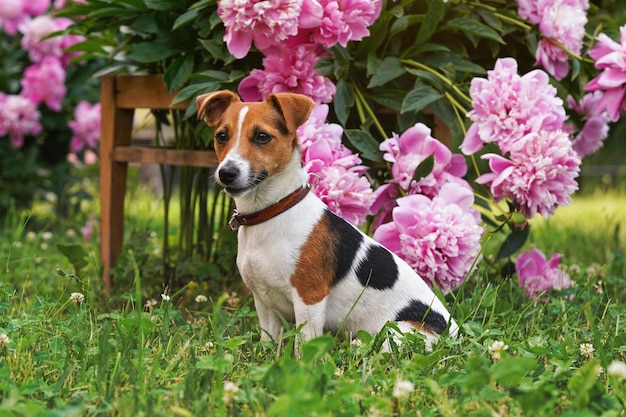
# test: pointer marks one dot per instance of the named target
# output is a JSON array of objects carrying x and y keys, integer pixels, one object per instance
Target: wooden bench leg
[{"x": 116, "y": 130}]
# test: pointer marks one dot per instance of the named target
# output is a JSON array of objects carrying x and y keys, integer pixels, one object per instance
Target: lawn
[{"x": 148, "y": 351}]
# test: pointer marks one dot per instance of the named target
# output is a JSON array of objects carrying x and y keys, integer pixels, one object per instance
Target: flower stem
[
  {"x": 449, "y": 83},
  {"x": 370, "y": 112}
]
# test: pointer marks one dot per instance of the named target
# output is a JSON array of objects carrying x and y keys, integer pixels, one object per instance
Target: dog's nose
[{"x": 228, "y": 173}]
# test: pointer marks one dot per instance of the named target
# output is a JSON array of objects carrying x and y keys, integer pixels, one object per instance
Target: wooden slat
[
  {"x": 144, "y": 92},
  {"x": 178, "y": 157}
]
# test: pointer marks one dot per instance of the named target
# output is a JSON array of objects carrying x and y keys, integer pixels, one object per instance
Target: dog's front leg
[
  {"x": 310, "y": 318},
  {"x": 269, "y": 321}
]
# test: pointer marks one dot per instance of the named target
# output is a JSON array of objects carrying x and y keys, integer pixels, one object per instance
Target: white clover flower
[
  {"x": 587, "y": 349},
  {"x": 232, "y": 300},
  {"x": 31, "y": 237},
  {"x": 356, "y": 342},
  {"x": 374, "y": 412},
  {"x": 201, "y": 298},
  {"x": 150, "y": 304},
  {"x": 70, "y": 233},
  {"x": 46, "y": 235},
  {"x": 4, "y": 340},
  {"x": 403, "y": 388},
  {"x": 77, "y": 297},
  {"x": 617, "y": 369},
  {"x": 496, "y": 349},
  {"x": 17, "y": 244},
  {"x": 165, "y": 297},
  {"x": 51, "y": 197},
  {"x": 209, "y": 345},
  {"x": 43, "y": 246},
  {"x": 230, "y": 389}
]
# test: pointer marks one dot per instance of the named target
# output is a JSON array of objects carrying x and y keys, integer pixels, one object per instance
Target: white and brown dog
[{"x": 299, "y": 259}]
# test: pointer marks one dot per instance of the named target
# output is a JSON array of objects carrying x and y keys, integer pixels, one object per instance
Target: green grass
[{"x": 110, "y": 356}]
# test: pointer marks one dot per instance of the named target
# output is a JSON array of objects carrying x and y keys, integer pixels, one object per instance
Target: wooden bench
[{"x": 120, "y": 95}]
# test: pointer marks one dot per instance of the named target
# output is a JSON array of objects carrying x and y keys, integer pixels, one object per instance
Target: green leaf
[
  {"x": 391, "y": 68},
  {"x": 420, "y": 97},
  {"x": 146, "y": 52},
  {"x": 513, "y": 242},
  {"x": 456, "y": 61},
  {"x": 178, "y": 72},
  {"x": 424, "y": 168},
  {"x": 186, "y": 18},
  {"x": 314, "y": 349},
  {"x": 403, "y": 23},
  {"x": 511, "y": 370},
  {"x": 192, "y": 90},
  {"x": 87, "y": 46},
  {"x": 75, "y": 253},
  {"x": 583, "y": 384},
  {"x": 473, "y": 27},
  {"x": 234, "y": 343},
  {"x": 344, "y": 101},
  {"x": 434, "y": 14},
  {"x": 364, "y": 143}
]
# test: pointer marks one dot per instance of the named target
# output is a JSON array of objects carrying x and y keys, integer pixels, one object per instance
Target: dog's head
[{"x": 253, "y": 141}]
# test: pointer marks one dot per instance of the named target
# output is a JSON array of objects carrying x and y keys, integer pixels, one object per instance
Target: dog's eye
[
  {"x": 221, "y": 137},
  {"x": 261, "y": 138}
]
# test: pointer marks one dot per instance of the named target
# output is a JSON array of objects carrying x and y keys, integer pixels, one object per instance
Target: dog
[{"x": 301, "y": 261}]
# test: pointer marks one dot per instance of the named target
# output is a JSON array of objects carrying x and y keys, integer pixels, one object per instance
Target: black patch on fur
[
  {"x": 346, "y": 240},
  {"x": 378, "y": 269},
  {"x": 419, "y": 312}
]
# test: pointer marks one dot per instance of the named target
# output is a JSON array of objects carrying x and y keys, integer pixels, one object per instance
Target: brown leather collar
[{"x": 267, "y": 213}]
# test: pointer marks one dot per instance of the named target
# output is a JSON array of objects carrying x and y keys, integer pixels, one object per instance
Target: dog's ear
[
  {"x": 295, "y": 108},
  {"x": 211, "y": 106}
]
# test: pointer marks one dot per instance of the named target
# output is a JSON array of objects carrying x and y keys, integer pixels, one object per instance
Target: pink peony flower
[
  {"x": 536, "y": 274},
  {"x": 346, "y": 192},
  {"x": 345, "y": 20},
  {"x": 406, "y": 153},
  {"x": 595, "y": 124},
  {"x": 290, "y": 70},
  {"x": 534, "y": 10},
  {"x": 539, "y": 176},
  {"x": 440, "y": 238},
  {"x": 410, "y": 149},
  {"x": 85, "y": 126},
  {"x": 45, "y": 82},
  {"x": 12, "y": 14},
  {"x": 36, "y": 7},
  {"x": 266, "y": 22},
  {"x": 506, "y": 107},
  {"x": 341, "y": 185},
  {"x": 321, "y": 143},
  {"x": 610, "y": 57},
  {"x": 19, "y": 117},
  {"x": 562, "y": 21},
  {"x": 41, "y": 26},
  {"x": 552, "y": 58},
  {"x": 529, "y": 10}
]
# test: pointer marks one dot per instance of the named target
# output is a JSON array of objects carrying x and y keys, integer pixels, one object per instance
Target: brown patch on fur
[
  {"x": 315, "y": 269},
  {"x": 421, "y": 327},
  {"x": 275, "y": 154}
]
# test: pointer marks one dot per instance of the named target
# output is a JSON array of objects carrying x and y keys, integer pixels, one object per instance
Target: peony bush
[
  {"x": 439, "y": 125},
  {"x": 42, "y": 97}
]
